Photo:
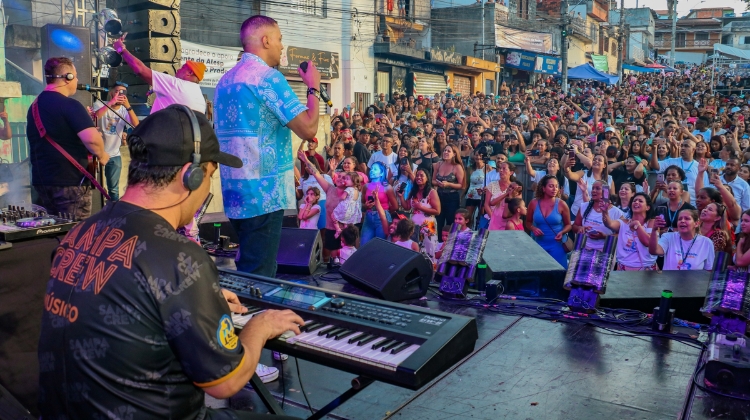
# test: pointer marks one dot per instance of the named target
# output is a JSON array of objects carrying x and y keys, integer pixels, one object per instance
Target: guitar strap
[{"x": 43, "y": 133}]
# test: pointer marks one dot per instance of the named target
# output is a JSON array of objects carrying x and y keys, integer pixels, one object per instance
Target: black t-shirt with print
[{"x": 134, "y": 322}]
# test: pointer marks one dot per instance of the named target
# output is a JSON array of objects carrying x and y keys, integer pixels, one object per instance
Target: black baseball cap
[{"x": 168, "y": 137}]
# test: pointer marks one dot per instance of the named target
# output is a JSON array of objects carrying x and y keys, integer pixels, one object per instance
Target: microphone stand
[{"x": 96, "y": 98}]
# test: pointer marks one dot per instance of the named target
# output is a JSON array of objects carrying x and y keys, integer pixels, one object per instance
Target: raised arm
[
  {"x": 312, "y": 170},
  {"x": 142, "y": 70}
]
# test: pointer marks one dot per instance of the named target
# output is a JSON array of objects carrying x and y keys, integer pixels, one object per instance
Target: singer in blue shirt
[{"x": 255, "y": 113}]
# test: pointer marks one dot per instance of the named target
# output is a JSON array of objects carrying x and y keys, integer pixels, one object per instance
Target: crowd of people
[{"x": 661, "y": 160}]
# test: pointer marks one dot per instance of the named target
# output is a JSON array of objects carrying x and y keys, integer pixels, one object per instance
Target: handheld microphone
[
  {"x": 323, "y": 93},
  {"x": 91, "y": 88}
]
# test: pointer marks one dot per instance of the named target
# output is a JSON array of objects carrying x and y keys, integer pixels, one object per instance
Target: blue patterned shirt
[{"x": 253, "y": 105}]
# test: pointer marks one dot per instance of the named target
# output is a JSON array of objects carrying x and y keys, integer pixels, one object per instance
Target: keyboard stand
[
  {"x": 268, "y": 400},
  {"x": 358, "y": 384}
]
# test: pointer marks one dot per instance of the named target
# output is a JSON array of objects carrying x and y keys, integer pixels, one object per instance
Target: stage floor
[{"x": 522, "y": 368}]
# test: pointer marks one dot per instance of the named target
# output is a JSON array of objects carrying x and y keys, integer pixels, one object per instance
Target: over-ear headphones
[
  {"x": 66, "y": 76},
  {"x": 193, "y": 177}
]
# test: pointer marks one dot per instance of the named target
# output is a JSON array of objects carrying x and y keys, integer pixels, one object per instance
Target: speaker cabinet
[
  {"x": 73, "y": 42},
  {"x": 133, "y": 5},
  {"x": 141, "y": 23},
  {"x": 388, "y": 271},
  {"x": 165, "y": 50},
  {"x": 300, "y": 251}
]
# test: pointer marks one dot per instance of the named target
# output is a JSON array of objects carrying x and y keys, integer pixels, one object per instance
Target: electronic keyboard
[{"x": 403, "y": 345}]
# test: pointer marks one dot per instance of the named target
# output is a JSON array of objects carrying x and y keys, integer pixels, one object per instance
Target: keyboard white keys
[
  {"x": 342, "y": 347},
  {"x": 240, "y": 320}
]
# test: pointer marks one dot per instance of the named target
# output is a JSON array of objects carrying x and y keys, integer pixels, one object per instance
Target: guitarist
[{"x": 60, "y": 186}]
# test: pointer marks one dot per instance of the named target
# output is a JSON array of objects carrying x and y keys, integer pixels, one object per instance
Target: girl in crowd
[
  {"x": 402, "y": 171},
  {"x": 713, "y": 226},
  {"x": 553, "y": 168},
  {"x": 634, "y": 235},
  {"x": 497, "y": 192},
  {"x": 425, "y": 155},
  {"x": 348, "y": 211},
  {"x": 548, "y": 219},
  {"x": 309, "y": 211},
  {"x": 402, "y": 236},
  {"x": 673, "y": 173},
  {"x": 744, "y": 173},
  {"x": 683, "y": 249},
  {"x": 376, "y": 189},
  {"x": 461, "y": 220},
  {"x": 517, "y": 210},
  {"x": 349, "y": 164},
  {"x": 589, "y": 220},
  {"x": 598, "y": 172},
  {"x": 742, "y": 257},
  {"x": 720, "y": 193},
  {"x": 424, "y": 204},
  {"x": 625, "y": 194},
  {"x": 516, "y": 148},
  {"x": 676, "y": 203},
  {"x": 307, "y": 182},
  {"x": 349, "y": 236},
  {"x": 449, "y": 178},
  {"x": 629, "y": 170},
  {"x": 476, "y": 183}
]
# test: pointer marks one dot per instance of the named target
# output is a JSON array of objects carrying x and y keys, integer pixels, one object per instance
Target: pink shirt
[{"x": 382, "y": 196}]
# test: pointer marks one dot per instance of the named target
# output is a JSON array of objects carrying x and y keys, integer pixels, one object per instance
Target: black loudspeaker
[
  {"x": 388, "y": 271},
  {"x": 299, "y": 251},
  {"x": 155, "y": 22},
  {"x": 165, "y": 50},
  {"x": 73, "y": 42}
]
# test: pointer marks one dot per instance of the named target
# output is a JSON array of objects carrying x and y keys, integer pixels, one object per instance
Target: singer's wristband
[{"x": 313, "y": 91}]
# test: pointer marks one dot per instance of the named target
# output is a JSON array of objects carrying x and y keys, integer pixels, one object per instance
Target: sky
[{"x": 684, "y": 6}]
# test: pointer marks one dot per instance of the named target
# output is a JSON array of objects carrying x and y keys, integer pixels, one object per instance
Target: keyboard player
[{"x": 135, "y": 324}]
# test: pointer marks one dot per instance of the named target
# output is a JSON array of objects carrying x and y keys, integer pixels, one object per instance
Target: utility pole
[
  {"x": 564, "y": 44},
  {"x": 672, "y": 4},
  {"x": 620, "y": 39}
]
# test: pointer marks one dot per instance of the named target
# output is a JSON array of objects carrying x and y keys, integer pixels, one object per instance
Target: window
[
  {"x": 606, "y": 44},
  {"x": 680, "y": 41},
  {"x": 701, "y": 36},
  {"x": 523, "y": 9},
  {"x": 309, "y": 7},
  {"x": 746, "y": 40}
]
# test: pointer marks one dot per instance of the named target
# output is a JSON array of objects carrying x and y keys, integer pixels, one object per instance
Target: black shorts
[
  {"x": 473, "y": 202},
  {"x": 330, "y": 241}
]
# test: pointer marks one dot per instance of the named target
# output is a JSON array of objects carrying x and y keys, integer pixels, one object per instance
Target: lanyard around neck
[{"x": 684, "y": 255}]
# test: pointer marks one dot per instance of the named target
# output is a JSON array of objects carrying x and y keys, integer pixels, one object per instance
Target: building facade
[{"x": 695, "y": 36}]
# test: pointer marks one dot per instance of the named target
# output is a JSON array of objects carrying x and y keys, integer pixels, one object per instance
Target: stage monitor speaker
[
  {"x": 73, "y": 42},
  {"x": 388, "y": 271},
  {"x": 299, "y": 251},
  {"x": 151, "y": 22},
  {"x": 165, "y": 50}
]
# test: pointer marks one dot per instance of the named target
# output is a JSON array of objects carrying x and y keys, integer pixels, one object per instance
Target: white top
[
  {"x": 171, "y": 90},
  {"x": 542, "y": 174},
  {"x": 306, "y": 184},
  {"x": 630, "y": 251},
  {"x": 476, "y": 181},
  {"x": 578, "y": 200},
  {"x": 594, "y": 221},
  {"x": 112, "y": 126},
  {"x": 380, "y": 157},
  {"x": 740, "y": 190},
  {"x": 405, "y": 244},
  {"x": 691, "y": 172},
  {"x": 718, "y": 164},
  {"x": 700, "y": 256},
  {"x": 345, "y": 252},
  {"x": 311, "y": 223}
]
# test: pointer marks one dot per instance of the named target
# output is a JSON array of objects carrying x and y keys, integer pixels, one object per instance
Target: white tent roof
[{"x": 734, "y": 52}]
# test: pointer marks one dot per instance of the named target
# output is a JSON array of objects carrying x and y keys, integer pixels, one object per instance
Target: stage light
[
  {"x": 109, "y": 56},
  {"x": 110, "y": 22}
]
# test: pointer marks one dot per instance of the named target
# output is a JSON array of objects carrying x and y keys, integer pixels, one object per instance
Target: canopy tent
[
  {"x": 726, "y": 57},
  {"x": 587, "y": 71},
  {"x": 661, "y": 67}
]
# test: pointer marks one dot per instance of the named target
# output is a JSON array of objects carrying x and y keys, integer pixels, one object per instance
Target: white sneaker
[
  {"x": 280, "y": 356},
  {"x": 266, "y": 373}
]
